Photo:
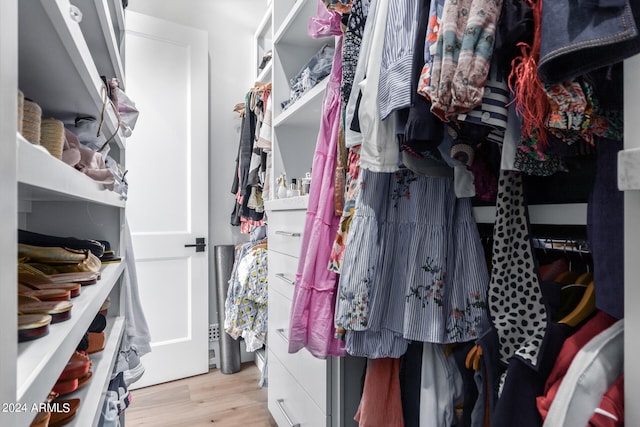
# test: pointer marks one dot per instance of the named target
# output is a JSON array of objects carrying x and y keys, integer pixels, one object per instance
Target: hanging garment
[
  {"x": 469, "y": 387},
  {"x": 441, "y": 388},
  {"x": 395, "y": 90},
  {"x": 311, "y": 322},
  {"x": 515, "y": 298},
  {"x": 410, "y": 383},
  {"x": 579, "y": 38},
  {"x": 380, "y": 149},
  {"x": 136, "y": 330},
  {"x": 381, "y": 404},
  {"x": 610, "y": 412},
  {"x": 413, "y": 269},
  {"x": 594, "y": 369},
  {"x": 351, "y": 194},
  {"x": 462, "y": 56},
  {"x": 246, "y": 304},
  {"x": 352, "y": 134},
  {"x": 594, "y": 326},
  {"x": 606, "y": 231},
  {"x": 436, "y": 10},
  {"x": 423, "y": 130},
  {"x": 523, "y": 383},
  {"x": 351, "y": 48},
  {"x": 487, "y": 378}
]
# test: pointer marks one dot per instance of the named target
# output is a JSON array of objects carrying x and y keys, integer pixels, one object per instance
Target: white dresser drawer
[
  {"x": 282, "y": 273},
  {"x": 288, "y": 403},
  {"x": 285, "y": 231},
  {"x": 310, "y": 372}
]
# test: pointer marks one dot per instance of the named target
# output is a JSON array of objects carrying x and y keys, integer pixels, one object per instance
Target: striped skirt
[{"x": 414, "y": 267}]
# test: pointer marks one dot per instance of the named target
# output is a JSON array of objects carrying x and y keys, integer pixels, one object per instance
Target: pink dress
[{"x": 311, "y": 323}]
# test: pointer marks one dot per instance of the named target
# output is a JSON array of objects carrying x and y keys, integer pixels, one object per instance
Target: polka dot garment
[{"x": 515, "y": 298}]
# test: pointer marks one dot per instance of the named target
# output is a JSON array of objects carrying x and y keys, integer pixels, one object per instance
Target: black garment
[
  {"x": 410, "y": 383},
  {"x": 605, "y": 226},
  {"x": 490, "y": 371},
  {"x": 424, "y": 130},
  {"x": 241, "y": 186},
  {"x": 514, "y": 26},
  {"x": 517, "y": 403},
  {"x": 459, "y": 354}
]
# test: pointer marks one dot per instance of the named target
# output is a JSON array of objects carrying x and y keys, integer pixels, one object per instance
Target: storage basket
[
  {"x": 31, "y": 121},
  {"x": 52, "y": 137},
  {"x": 20, "y": 110}
]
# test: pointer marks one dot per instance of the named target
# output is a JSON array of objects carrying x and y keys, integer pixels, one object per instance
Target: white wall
[{"x": 231, "y": 25}]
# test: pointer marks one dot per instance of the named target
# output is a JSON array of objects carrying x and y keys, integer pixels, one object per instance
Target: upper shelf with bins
[{"x": 57, "y": 69}]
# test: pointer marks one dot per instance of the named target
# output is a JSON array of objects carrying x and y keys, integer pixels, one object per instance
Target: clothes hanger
[
  {"x": 567, "y": 277},
  {"x": 585, "y": 308},
  {"x": 585, "y": 278},
  {"x": 262, "y": 244}
]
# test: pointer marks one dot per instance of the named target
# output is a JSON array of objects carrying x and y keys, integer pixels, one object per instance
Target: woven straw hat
[
  {"x": 31, "y": 121},
  {"x": 20, "y": 109},
  {"x": 52, "y": 136}
]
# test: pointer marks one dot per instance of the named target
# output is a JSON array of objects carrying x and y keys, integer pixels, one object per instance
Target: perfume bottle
[
  {"x": 306, "y": 183},
  {"x": 292, "y": 191},
  {"x": 282, "y": 189}
]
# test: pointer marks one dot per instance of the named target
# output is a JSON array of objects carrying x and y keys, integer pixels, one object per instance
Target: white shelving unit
[
  {"x": 57, "y": 62},
  {"x": 263, "y": 42},
  {"x": 104, "y": 44},
  {"x": 302, "y": 389},
  {"x": 295, "y": 129}
]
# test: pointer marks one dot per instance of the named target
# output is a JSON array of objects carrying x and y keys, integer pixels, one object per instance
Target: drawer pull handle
[
  {"x": 280, "y": 403},
  {"x": 287, "y": 233},
  {"x": 282, "y": 334},
  {"x": 284, "y": 278}
]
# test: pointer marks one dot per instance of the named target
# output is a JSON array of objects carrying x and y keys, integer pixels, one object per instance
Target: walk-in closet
[{"x": 319, "y": 213}]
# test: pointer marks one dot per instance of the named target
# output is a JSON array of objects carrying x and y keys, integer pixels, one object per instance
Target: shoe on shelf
[{"x": 130, "y": 365}]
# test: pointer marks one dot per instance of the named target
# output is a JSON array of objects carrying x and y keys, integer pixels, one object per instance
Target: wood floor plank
[{"x": 213, "y": 398}]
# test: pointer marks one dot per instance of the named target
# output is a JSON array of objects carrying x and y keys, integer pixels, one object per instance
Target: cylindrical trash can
[{"x": 229, "y": 348}]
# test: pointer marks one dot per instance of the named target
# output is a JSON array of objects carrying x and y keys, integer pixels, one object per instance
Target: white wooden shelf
[
  {"x": 306, "y": 111},
  {"x": 40, "y": 361},
  {"x": 57, "y": 70},
  {"x": 559, "y": 214},
  {"x": 43, "y": 177},
  {"x": 92, "y": 395},
  {"x": 265, "y": 73},
  {"x": 118, "y": 20},
  {"x": 99, "y": 33},
  {"x": 294, "y": 26},
  {"x": 289, "y": 203}
]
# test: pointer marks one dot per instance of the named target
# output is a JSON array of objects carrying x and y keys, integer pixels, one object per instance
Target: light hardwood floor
[{"x": 211, "y": 399}]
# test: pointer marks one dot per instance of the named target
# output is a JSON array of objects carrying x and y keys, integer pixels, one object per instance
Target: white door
[{"x": 167, "y": 155}]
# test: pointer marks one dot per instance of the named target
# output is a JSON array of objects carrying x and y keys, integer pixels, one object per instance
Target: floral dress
[{"x": 413, "y": 269}]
